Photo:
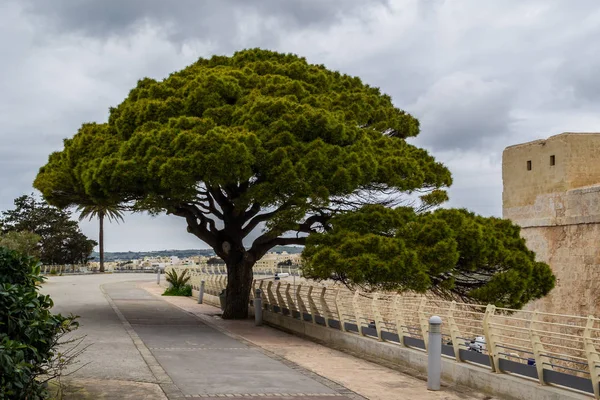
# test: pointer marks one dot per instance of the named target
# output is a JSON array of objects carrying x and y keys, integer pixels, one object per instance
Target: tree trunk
[
  {"x": 239, "y": 285},
  {"x": 101, "y": 240}
]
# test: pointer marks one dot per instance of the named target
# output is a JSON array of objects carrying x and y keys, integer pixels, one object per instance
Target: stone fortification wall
[{"x": 552, "y": 190}]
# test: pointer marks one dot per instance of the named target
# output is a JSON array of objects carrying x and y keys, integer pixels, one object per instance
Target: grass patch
[{"x": 181, "y": 291}]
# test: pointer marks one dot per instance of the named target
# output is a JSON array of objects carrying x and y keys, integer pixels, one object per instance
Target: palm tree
[{"x": 112, "y": 212}]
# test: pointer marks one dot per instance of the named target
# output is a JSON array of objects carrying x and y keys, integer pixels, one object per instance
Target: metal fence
[
  {"x": 63, "y": 269},
  {"x": 214, "y": 269},
  {"x": 86, "y": 269},
  {"x": 221, "y": 269},
  {"x": 553, "y": 349}
]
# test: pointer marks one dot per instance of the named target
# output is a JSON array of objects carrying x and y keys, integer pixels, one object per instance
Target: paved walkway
[
  {"x": 144, "y": 346},
  {"x": 111, "y": 363},
  {"x": 202, "y": 361}
]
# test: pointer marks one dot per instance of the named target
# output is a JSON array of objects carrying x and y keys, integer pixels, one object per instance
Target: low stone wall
[{"x": 476, "y": 377}]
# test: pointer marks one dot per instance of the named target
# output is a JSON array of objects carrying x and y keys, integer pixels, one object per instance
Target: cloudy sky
[{"x": 480, "y": 75}]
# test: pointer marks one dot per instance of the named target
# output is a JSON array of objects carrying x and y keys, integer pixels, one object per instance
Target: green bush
[
  {"x": 178, "y": 281},
  {"x": 180, "y": 291},
  {"x": 29, "y": 332}
]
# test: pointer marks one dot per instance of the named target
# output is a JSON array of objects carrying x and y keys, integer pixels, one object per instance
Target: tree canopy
[
  {"x": 232, "y": 144},
  {"x": 24, "y": 242},
  {"x": 450, "y": 252},
  {"x": 59, "y": 240}
]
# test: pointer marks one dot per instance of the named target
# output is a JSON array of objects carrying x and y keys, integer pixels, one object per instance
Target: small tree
[
  {"x": 60, "y": 240},
  {"x": 24, "y": 242},
  {"x": 111, "y": 212}
]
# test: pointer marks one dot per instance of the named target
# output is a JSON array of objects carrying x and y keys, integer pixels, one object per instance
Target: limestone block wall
[
  {"x": 555, "y": 165},
  {"x": 556, "y": 201},
  {"x": 564, "y": 231},
  {"x": 573, "y": 252}
]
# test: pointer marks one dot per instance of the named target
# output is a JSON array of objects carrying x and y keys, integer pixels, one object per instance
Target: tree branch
[
  {"x": 211, "y": 207},
  {"x": 257, "y": 219},
  {"x": 192, "y": 214},
  {"x": 261, "y": 248},
  {"x": 252, "y": 211},
  {"x": 268, "y": 240},
  {"x": 220, "y": 198},
  {"x": 253, "y": 223},
  {"x": 307, "y": 225}
]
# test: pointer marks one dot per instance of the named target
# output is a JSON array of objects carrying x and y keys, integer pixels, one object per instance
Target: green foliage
[
  {"x": 61, "y": 241},
  {"x": 29, "y": 332},
  {"x": 111, "y": 212},
  {"x": 100, "y": 210},
  {"x": 21, "y": 241},
  {"x": 185, "y": 290},
  {"x": 256, "y": 140},
  {"x": 452, "y": 253},
  {"x": 178, "y": 281},
  {"x": 266, "y": 128}
]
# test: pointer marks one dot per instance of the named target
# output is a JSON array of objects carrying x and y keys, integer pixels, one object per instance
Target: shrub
[
  {"x": 178, "y": 281},
  {"x": 29, "y": 332},
  {"x": 181, "y": 291}
]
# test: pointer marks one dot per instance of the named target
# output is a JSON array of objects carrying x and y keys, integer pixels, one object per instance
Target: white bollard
[
  {"x": 258, "y": 308},
  {"x": 434, "y": 353},
  {"x": 158, "y": 276},
  {"x": 201, "y": 293}
]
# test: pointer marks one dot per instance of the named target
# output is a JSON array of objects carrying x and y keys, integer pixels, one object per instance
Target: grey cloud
[
  {"x": 476, "y": 180},
  {"x": 460, "y": 111},
  {"x": 217, "y": 21},
  {"x": 578, "y": 80}
]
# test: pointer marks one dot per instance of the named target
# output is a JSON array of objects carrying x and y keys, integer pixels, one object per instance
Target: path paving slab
[
  {"x": 110, "y": 353},
  {"x": 183, "y": 336},
  {"x": 203, "y": 362},
  {"x": 94, "y": 389}
]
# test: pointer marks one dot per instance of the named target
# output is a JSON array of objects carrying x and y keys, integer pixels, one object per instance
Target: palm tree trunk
[{"x": 101, "y": 240}]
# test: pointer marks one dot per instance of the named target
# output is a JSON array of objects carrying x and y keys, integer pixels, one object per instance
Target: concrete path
[
  {"x": 176, "y": 350},
  {"x": 145, "y": 346},
  {"x": 200, "y": 360},
  {"x": 111, "y": 363}
]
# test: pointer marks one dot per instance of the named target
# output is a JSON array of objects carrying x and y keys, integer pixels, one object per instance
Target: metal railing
[
  {"x": 553, "y": 349},
  {"x": 220, "y": 269},
  {"x": 63, "y": 269}
]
